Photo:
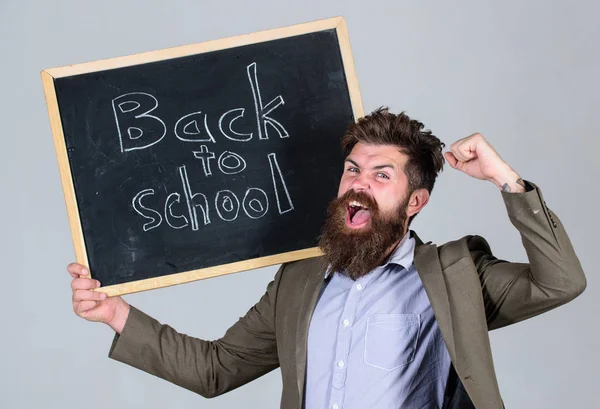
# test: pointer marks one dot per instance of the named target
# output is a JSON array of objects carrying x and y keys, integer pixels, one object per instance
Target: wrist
[
  {"x": 117, "y": 323},
  {"x": 509, "y": 181}
]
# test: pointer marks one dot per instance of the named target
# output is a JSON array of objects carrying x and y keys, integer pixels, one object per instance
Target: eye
[
  {"x": 353, "y": 169},
  {"x": 382, "y": 176}
]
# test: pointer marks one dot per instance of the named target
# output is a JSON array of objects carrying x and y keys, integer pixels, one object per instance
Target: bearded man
[{"x": 381, "y": 320}]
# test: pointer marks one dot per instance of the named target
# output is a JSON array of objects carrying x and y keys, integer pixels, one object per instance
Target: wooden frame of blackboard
[{"x": 48, "y": 76}]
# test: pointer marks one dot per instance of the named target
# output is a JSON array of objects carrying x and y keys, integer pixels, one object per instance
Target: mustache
[{"x": 359, "y": 196}]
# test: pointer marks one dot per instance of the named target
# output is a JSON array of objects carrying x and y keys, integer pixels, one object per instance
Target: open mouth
[{"x": 357, "y": 215}]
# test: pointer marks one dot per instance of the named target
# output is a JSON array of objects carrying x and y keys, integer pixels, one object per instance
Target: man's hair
[{"x": 424, "y": 150}]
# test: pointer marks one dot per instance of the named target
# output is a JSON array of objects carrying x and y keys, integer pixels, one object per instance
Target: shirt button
[
  {"x": 340, "y": 364},
  {"x": 359, "y": 287},
  {"x": 335, "y": 406},
  {"x": 346, "y": 323},
  {"x": 338, "y": 381}
]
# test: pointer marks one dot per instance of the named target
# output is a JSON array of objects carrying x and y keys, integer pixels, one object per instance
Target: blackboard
[{"x": 202, "y": 160}]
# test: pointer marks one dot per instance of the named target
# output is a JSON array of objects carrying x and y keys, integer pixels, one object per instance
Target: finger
[
  {"x": 451, "y": 159},
  {"x": 463, "y": 151},
  {"x": 455, "y": 163},
  {"x": 87, "y": 295},
  {"x": 84, "y": 284},
  {"x": 84, "y": 306},
  {"x": 76, "y": 270},
  {"x": 92, "y": 315},
  {"x": 460, "y": 141}
]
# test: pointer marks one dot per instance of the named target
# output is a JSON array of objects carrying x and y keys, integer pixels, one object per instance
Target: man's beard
[{"x": 356, "y": 252}]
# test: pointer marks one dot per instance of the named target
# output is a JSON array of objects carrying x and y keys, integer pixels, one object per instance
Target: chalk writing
[
  {"x": 255, "y": 203},
  {"x": 188, "y": 125},
  {"x": 279, "y": 186},
  {"x": 137, "y": 129},
  {"x": 146, "y": 212},
  {"x": 125, "y": 108},
  {"x": 238, "y": 165}
]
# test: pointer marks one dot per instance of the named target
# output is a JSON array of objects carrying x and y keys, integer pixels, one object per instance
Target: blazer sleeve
[
  {"x": 513, "y": 292},
  {"x": 247, "y": 351}
]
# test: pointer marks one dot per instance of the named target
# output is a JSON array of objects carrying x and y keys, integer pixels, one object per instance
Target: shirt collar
[{"x": 403, "y": 255}]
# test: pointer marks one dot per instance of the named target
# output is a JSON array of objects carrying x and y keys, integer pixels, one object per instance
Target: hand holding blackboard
[
  {"x": 94, "y": 305},
  {"x": 208, "y": 159}
]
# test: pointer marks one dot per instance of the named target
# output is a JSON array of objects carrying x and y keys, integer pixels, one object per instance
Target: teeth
[{"x": 354, "y": 203}]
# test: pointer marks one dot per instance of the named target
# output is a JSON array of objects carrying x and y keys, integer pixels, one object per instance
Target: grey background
[{"x": 523, "y": 73}]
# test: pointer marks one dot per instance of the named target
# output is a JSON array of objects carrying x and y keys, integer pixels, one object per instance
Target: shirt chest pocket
[{"x": 391, "y": 340}]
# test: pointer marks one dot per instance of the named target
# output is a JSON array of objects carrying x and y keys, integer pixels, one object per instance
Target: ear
[{"x": 418, "y": 200}]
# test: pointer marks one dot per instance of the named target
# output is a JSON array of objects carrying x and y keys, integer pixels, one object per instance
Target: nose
[{"x": 360, "y": 182}]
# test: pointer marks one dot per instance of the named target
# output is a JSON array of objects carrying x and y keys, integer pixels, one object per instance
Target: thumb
[{"x": 452, "y": 161}]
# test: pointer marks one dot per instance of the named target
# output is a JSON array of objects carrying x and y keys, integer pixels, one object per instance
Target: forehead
[{"x": 372, "y": 155}]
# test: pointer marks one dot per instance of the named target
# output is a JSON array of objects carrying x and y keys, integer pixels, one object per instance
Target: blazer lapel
[
  {"x": 430, "y": 271},
  {"x": 309, "y": 297}
]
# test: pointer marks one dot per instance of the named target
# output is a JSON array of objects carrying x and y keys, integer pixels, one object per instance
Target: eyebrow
[
  {"x": 378, "y": 167},
  {"x": 385, "y": 166},
  {"x": 352, "y": 162}
]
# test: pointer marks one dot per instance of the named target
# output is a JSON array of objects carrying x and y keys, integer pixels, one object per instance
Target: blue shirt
[{"x": 375, "y": 342}]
